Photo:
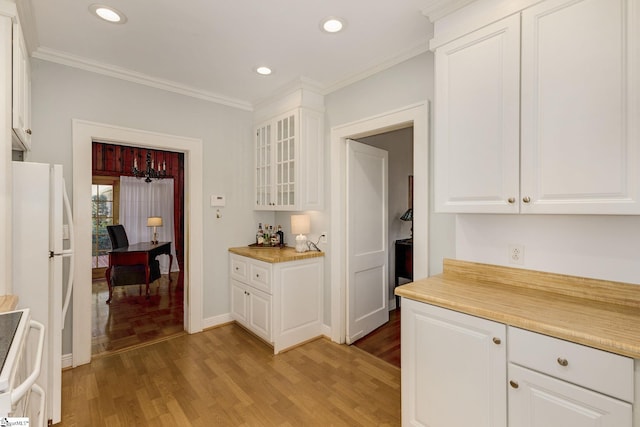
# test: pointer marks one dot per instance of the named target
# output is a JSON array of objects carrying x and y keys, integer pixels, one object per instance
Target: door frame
[
  {"x": 416, "y": 115},
  {"x": 83, "y": 135}
]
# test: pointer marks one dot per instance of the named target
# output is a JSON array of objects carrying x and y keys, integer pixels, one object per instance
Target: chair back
[{"x": 118, "y": 236}]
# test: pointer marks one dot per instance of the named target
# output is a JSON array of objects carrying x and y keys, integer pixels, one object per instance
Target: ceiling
[{"x": 210, "y": 48}]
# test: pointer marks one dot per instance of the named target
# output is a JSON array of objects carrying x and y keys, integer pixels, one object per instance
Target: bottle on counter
[
  {"x": 267, "y": 237},
  {"x": 260, "y": 235},
  {"x": 280, "y": 236}
]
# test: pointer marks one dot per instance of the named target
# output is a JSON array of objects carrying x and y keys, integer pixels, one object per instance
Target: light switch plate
[{"x": 218, "y": 200}]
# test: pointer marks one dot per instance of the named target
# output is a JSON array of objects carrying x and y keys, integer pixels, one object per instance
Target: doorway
[
  {"x": 415, "y": 116},
  {"x": 83, "y": 135},
  {"x": 132, "y": 317}
]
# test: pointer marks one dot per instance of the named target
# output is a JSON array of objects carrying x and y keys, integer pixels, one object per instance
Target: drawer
[
  {"x": 598, "y": 370},
  {"x": 238, "y": 266},
  {"x": 260, "y": 275}
]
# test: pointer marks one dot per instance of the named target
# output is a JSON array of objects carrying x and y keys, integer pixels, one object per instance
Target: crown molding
[
  {"x": 436, "y": 9},
  {"x": 395, "y": 60},
  {"x": 64, "y": 58}
]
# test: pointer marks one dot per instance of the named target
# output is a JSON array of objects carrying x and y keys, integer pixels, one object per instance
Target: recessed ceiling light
[
  {"x": 108, "y": 13},
  {"x": 265, "y": 71},
  {"x": 332, "y": 24}
]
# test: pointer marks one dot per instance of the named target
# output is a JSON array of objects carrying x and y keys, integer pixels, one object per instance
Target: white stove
[{"x": 20, "y": 367}]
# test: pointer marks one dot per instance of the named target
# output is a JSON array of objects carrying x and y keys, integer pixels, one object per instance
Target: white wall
[
  {"x": 404, "y": 84},
  {"x": 61, "y": 93},
  {"x": 596, "y": 246}
]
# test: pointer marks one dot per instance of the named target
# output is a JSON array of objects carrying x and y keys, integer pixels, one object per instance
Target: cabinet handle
[
  {"x": 497, "y": 340},
  {"x": 526, "y": 199},
  {"x": 562, "y": 361},
  {"x": 514, "y": 384},
  {"x": 257, "y": 276},
  {"x": 237, "y": 269},
  {"x": 28, "y": 131},
  {"x": 511, "y": 200}
]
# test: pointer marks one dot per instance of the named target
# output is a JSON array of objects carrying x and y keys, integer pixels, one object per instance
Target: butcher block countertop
[
  {"x": 274, "y": 254},
  {"x": 596, "y": 313},
  {"x": 8, "y": 303}
]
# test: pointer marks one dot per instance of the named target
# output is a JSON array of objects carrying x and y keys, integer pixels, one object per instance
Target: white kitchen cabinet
[
  {"x": 288, "y": 161},
  {"x": 280, "y": 302},
  {"x": 555, "y": 383},
  {"x": 252, "y": 308},
  {"x": 476, "y": 120},
  {"x": 569, "y": 142},
  {"x": 454, "y": 373},
  {"x": 453, "y": 368},
  {"x": 21, "y": 97}
]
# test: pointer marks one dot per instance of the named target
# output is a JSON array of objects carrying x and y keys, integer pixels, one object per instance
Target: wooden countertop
[
  {"x": 596, "y": 313},
  {"x": 8, "y": 303},
  {"x": 274, "y": 255}
]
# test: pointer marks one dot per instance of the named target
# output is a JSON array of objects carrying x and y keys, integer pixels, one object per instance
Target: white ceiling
[{"x": 209, "y": 48}]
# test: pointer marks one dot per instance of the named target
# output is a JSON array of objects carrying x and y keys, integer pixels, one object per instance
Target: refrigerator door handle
[{"x": 68, "y": 253}]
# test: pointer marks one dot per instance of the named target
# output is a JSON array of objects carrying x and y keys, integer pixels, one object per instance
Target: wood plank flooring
[
  {"x": 227, "y": 377},
  {"x": 384, "y": 342},
  {"x": 131, "y": 319}
]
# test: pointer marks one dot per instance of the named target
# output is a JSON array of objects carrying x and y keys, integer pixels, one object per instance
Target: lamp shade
[
  {"x": 154, "y": 221},
  {"x": 300, "y": 224}
]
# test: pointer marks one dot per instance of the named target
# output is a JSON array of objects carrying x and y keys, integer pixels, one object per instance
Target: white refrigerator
[{"x": 41, "y": 241}]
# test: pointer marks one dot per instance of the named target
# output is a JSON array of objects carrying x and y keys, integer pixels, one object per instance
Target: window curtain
[{"x": 140, "y": 200}]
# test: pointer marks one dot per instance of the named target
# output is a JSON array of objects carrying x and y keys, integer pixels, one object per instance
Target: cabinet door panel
[
  {"x": 477, "y": 120},
  {"x": 580, "y": 107},
  {"x": 260, "y": 313},
  {"x": 543, "y": 401},
  {"x": 453, "y": 373},
  {"x": 238, "y": 302}
]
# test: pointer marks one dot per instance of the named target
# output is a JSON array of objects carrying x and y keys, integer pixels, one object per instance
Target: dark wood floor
[
  {"x": 131, "y": 319},
  {"x": 226, "y": 377},
  {"x": 384, "y": 342}
]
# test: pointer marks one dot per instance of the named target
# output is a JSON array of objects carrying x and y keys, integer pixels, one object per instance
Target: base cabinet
[
  {"x": 537, "y": 400},
  {"x": 279, "y": 302},
  {"x": 455, "y": 366}
]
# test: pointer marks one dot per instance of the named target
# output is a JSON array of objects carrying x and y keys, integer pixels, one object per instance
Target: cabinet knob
[
  {"x": 514, "y": 384},
  {"x": 526, "y": 199},
  {"x": 28, "y": 131},
  {"x": 237, "y": 269},
  {"x": 511, "y": 200},
  {"x": 257, "y": 276},
  {"x": 497, "y": 340},
  {"x": 562, "y": 361}
]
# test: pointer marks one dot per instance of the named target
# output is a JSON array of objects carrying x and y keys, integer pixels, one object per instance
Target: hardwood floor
[
  {"x": 131, "y": 319},
  {"x": 384, "y": 342},
  {"x": 227, "y": 377}
]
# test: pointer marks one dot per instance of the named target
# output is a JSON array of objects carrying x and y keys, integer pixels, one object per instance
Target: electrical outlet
[
  {"x": 323, "y": 237},
  {"x": 516, "y": 254}
]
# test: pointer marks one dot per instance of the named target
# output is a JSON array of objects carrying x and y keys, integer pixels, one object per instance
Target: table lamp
[
  {"x": 300, "y": 225},
  {"x": 154, "y": 221}
]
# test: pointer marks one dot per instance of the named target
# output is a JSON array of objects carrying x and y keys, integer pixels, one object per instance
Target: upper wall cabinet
[
  {"x": 21, "y": 96},
  {"x": 289, "y": 158},
  {"x": 537, "y": 110}
]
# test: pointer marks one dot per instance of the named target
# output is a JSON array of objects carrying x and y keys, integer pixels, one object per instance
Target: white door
[{"x": 367, "y": 277}]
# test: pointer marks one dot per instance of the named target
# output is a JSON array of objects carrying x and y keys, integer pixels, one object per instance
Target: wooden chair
[{"x": 124, "y": 275}]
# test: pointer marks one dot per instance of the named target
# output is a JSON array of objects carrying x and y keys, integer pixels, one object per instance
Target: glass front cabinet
[{"x": 288, "y": 161}]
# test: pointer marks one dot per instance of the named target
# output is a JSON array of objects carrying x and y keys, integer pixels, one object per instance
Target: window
[{"x": 104, "y": 211}]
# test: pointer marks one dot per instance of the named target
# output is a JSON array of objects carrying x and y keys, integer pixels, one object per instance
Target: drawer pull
[
  {"x": 562, "y": 361},
  {"x": 514, "y": 384},
  {"x": 497, "y": 341}
]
